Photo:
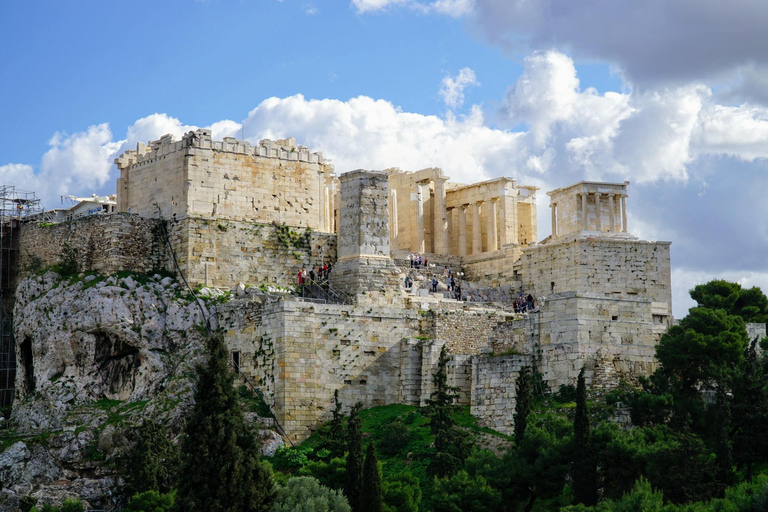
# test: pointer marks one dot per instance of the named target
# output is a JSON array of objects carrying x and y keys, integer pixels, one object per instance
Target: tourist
[
  {"x": 311, "y": 275},
  {"x": 529, "y": 302},
  {"x": 457, "y": 292},
  {"x": 411, "y": 257},
  {"x": 434, "y": 284},
  {"x": 453, "y": 284}
]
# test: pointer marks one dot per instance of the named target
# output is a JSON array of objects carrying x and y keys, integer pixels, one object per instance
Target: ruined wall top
[{"x": 284, "y": 149}]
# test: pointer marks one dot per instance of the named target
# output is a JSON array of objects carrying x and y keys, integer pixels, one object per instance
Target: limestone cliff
[{"x": 94, "y": 354}]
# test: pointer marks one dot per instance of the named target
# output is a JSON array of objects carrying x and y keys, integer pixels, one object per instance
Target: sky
[{"x": 671, "y": 95}]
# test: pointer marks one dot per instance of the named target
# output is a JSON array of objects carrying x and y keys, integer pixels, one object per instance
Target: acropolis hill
[{"x": 239, "y": 216}]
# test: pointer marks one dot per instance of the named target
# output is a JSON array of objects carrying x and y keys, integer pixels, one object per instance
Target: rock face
[{"x": 94, "y": 352}]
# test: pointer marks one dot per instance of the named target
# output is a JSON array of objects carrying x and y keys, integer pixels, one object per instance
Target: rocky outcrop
[{"x": 95, "y": 354}]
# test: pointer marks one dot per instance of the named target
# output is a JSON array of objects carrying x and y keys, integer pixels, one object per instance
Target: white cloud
[
  {"x": 452, "y": 89},
  {"x": 363, "y": 6},
  {"x": 310, "y": 9},
  {"x": 453, "y": 8}
]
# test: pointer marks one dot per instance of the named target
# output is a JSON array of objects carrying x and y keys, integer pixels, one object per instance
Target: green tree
[
  {"x": 370, "y": 495},
  {"x": 704, "y": 348},
  {"x": 584, "y": 466},
  {"x": 150, "y": 501},
  {"x": 537, "y": 467},
  {"x": 450, "y": 445},
  {"x": 332, "y": 474},
  {"x": 151, "y": 464},
  {"x": 523, "y": 402},
  {"x": 749, "y": 304},
  {"x": 354, "y": 485},
  {"x": 220, "y": 469},
  {"x": 750, "y": 412},
  {"x": 460, "y": 493},
  {"x": 402, "y": 493},
  {"x": 305, "y": 494},
  {"x": 69, "y": 505},
  {"x": 723, "y": 444},
  {"x": 336, "y": 438}
]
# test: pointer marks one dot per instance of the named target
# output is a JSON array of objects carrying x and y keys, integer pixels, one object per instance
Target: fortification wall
[
  {"x": 103, "y": 243},
  {"x": 493, "y": 393},
  {"x": 223, "y": 253},
  {"x": 494, "y": 268},
  {"x": 274, "y": 181},
  {"x": 610, "y": 266},
  {"x": 465, "y": 331}
]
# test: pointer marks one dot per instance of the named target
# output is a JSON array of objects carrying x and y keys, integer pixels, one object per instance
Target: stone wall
[
  {"x": 103, "y": 243},
  {"x": 493, "y": 391},
  {"x": 465, "y": 331},
  {"x": 599, "y": 265},
  {"x": 274, "y": 181},
  {"x": 223, "y": 253}
]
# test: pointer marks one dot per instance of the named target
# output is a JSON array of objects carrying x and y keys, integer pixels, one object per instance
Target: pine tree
[
  {"x": 450, "y": 444},
  {"x": 354, "y": 484},
  {"x": 371, "y": 499},
  {"x": 584, "y": 465},
  {"x": 220, "y": 470},
  {"x": 152, "y": 463},
  {"x": 524, "y": 402},
  {"x": 723, "y": 444}
]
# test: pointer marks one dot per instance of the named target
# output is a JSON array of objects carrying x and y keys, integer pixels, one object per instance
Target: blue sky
[{"x": 669, "y": 94}]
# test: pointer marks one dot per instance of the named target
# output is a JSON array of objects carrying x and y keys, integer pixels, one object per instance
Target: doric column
[
  {"x": 463, "y": 230},
  {"x": 611, "y": 216},
  {"x": 501, "y": 205},
  {"x": 477, "y": 241},
  {"x": 598, "y": 221},
  {"x": 448, "y": 229},
  {"x": 553, "y": 207},
  {"x": 393, "y": 218},
  {"x": 584, "y": 223},
  {"x": 492, "y": 232},
  {"x": 623, "y": 214},
  {"x": 417, "y": 231},
  {"x": 439, "y": 221}
]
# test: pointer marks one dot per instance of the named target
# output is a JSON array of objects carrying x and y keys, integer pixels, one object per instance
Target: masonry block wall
[
  {"x": 103, "y": 243},
  {"x": 612, "y": 267},
  {"x": 493, "y": 390},
  {"x": 274, "y": 181},
  {"x": 223, "y": 253}
]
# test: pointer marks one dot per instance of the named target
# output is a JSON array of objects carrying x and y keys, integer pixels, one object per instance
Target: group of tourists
[
  {"x": 417, "y": 261},
  {"x": 523, "y": 304},
  {"x": 315, "y": 275}
]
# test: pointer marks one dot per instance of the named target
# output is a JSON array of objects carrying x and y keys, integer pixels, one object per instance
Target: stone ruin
[{"x": 234, "y": 214}]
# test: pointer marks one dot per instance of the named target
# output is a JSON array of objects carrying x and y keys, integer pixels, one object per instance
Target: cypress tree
[
  {"x": 337, "y": 438},
  {"x": 524, "y": 402},
  {"x": 584, "y": 465},
  {"x": 371, "y": 499},
  {"x": 450, "y": 444},
  {"x": 354, "y": 483},
  {"x": 220, "y": 469}
]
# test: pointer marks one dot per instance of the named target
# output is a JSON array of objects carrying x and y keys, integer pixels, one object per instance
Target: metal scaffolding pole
[{"x": 16, "y": 206}]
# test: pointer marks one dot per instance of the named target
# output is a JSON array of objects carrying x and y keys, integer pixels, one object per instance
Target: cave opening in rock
[
  {"x": 28, "y": 364},
  {"x": 117, "y": 362}
]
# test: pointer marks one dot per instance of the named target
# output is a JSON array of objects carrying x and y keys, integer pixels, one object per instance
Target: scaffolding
[{"x": 16, "y": 206}]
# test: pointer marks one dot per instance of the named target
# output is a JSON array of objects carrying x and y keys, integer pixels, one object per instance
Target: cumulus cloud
[
  {"x": 652, "y": 41},
  {"x": 452, "y": 89}
]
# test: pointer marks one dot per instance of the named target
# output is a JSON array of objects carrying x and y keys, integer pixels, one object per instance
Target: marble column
[
  {"x": 449, "y": 230},
  {"x": 598, "y": 220},
  {"x": 492, "y": 234},
  {"x": 553, "y": 207},
  {"x": 611, "y": 216},
  {"x": 463, "y": 230},
  {"x": 393, "y": 228},
  {"x": 417, "y": 238},
  {"x": 584, "y": 223},
  {"x": 477, "y": 241},
  {"x": 501, "y": 205},
  {"x": 439, "y": 221},
  {"x": 623, "y": 214}
]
